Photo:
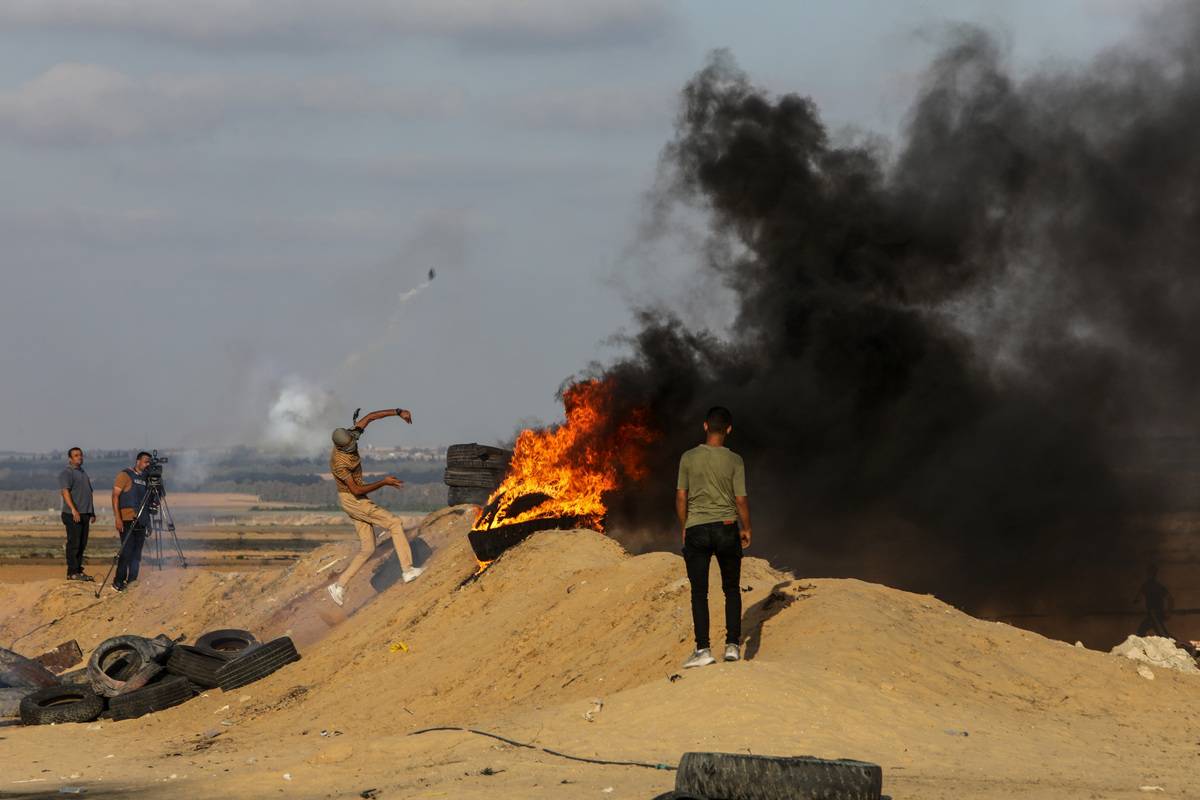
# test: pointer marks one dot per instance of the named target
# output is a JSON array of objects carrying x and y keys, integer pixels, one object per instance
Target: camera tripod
[{"x": 158, "y": 520}]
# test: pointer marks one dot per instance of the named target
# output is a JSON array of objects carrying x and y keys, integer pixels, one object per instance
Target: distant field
[
  {"x": 253, "y": 539},
  {"x": 225, "y": 501}
]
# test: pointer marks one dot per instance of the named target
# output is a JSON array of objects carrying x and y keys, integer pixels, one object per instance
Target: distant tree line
[{"x": 321, "y": 495}]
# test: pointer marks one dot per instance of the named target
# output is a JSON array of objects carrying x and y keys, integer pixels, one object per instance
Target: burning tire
[
  {"x": 195, "y": 665},
  {"x": 117, "y": 660},
  {"x": 257, "y": 664},
  {"x": 19, "y": 672},
  {"x": 171, "y": 691},
  {"x": 57, "y": 704},
  {"x": 226, "y": 644},
  {"x": 773, "y": 778}
]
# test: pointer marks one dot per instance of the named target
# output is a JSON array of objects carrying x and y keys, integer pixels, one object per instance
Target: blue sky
[{"x": 210, "y": 206}]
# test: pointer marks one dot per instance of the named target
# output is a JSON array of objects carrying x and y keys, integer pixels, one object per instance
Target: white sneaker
[
  {"x": 337, "y": 593},
  {"x": 410, "y": 575},
  {"x": 733, "y": 652},
  {"x": 700, "y": 658}
]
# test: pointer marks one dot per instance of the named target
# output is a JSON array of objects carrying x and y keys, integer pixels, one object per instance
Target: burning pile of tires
[
  {"x": 131, "y": 676},
  {"x": 473, "y": 472}
]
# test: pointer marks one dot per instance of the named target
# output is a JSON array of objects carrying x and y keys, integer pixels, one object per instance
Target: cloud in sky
[
  {"x": 84, "y": 104},
  {"x": 594, "y": 108},
  {"x": 288, "y": 24}
]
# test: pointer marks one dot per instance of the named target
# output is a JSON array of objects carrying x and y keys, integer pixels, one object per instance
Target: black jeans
[
  {"x": 700, "y": 544},
  {"x": 130, "y": 559},
  {"x": 77, "y": 536}
]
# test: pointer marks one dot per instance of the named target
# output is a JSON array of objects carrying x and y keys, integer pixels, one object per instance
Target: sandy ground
[{"x": 950, "y": 706}]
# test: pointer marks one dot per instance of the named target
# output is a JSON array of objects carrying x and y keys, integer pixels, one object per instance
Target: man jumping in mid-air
[{"x": 346, "y": 467}]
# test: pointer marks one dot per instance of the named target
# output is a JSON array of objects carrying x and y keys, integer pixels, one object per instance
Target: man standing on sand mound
[
  {"x": 346, "y": 467},
  {"x": 710, "y": 500}
]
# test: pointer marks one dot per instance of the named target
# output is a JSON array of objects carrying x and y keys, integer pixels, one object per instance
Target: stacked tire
[
  {"x": 473, "y": 472},
  {"x": 131, "y": 676}
]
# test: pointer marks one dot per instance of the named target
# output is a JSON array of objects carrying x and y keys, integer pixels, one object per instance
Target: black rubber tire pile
[
  {"x": 131, "y": 676},
  {"x": 473, "y": 472}
]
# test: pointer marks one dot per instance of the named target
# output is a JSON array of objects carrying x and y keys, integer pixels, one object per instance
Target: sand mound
[{"x": 951, "y": 706}]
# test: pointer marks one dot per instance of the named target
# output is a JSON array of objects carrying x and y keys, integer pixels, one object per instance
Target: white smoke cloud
[
  {"x": 191, "y": 468},
  {"x": 301, "y": 417}
]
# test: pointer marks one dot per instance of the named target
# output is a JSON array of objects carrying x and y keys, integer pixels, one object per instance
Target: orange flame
[{"x": 572, "y": 465}]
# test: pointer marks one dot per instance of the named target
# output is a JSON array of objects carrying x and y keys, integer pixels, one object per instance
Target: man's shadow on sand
[
  {"x": 757, "y": 615},
  {"x": 388, "y": 572}
]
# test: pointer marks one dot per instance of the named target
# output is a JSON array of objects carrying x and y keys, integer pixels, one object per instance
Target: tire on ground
[
  {"x": 774, "y": 778},
  {"x": 10, "y": 700},
  {"x": 57, "y": 704},
  {"x": 142, "y": 677},
  {"x": 171, "y": 691},
  {"x": 257, "y": 664},
  {"x": 195, "y": 665},
  {"x": 117, "y": 660},
  {"x": 76, "y": 676},
  {"x": 19, "y": 672},
  {"x": 226, "y": 644}
]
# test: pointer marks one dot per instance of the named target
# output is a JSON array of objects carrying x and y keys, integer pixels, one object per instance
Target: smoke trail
[
  {"x": 304, "y": 412},
  {"x": 942, "y": 364},
  {"x": 371, "y": 347}
]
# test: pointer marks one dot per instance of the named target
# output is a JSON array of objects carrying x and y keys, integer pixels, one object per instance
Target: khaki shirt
[
  {"x": 712, "y": 478},
  {"x": 343, "y": 467}
]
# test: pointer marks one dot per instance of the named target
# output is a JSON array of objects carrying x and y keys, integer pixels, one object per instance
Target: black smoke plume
[{"x": 945, "y": 364}]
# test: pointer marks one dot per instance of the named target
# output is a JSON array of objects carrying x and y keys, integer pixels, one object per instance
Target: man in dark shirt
[
  {"x": 78, "y": 512},
  {"x": 128, "y": 499},
  {"x": 1159, "y": 604}
]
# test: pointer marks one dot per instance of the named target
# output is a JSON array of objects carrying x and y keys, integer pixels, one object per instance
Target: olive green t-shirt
[{"x": 712, "y": 477}]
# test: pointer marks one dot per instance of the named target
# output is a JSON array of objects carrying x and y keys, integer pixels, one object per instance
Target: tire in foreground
[
  {"x": 171, "y": 691},
  {"x": 195, "y": 665},
  {"x": 56, "y": 704},
  {"x": 226, "y": 644},
  {"x": 118, "y": 659},
  {"x": 257, "y": 664},
  {"x": 747, "y": 777}
]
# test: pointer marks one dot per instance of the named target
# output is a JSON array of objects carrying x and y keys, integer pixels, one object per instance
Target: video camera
[{"x": 154, "y": 472}]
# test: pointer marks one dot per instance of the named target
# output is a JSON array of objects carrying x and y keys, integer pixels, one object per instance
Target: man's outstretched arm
[
  {"x": 364, "y": 489},
  {"x": 402, "y": 413}
]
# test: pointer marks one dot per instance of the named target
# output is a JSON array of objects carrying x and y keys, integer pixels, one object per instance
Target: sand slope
[{"x": 837, "y": 668}]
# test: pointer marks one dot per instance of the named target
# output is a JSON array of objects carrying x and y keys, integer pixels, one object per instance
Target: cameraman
[{"x": 128, "y": 496}]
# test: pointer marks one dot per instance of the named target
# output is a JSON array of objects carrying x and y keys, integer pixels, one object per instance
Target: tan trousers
[{"x": 366, "y": 515}]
